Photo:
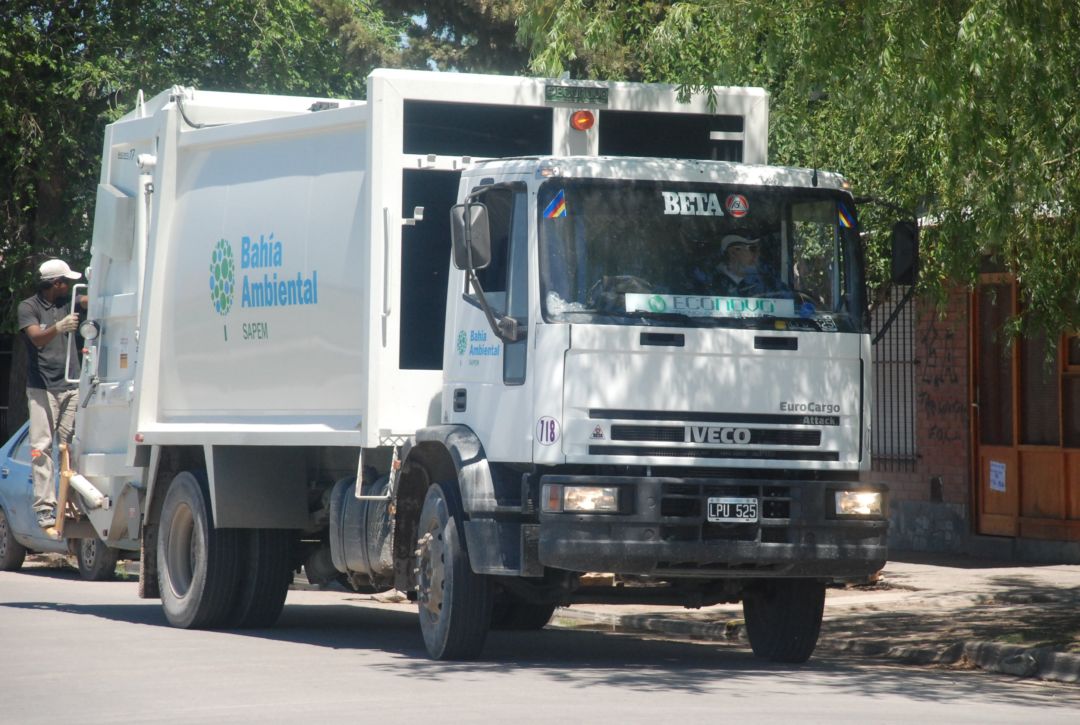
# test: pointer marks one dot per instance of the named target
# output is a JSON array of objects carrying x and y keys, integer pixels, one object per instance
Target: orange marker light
[{"x": 582, "y": 120}]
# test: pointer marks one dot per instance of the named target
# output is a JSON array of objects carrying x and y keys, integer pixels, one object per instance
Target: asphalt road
[{"x": 75, "y": 651}]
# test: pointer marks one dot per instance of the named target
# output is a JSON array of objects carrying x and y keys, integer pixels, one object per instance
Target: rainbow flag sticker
[
  {"x": 847, "y": 219},
  {"x": 557, "y": 207}
]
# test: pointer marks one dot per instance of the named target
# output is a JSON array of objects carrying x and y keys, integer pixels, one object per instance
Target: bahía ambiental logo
[
  {"x": 222, "y": 277},
  {"x": 263, "y": 280}
]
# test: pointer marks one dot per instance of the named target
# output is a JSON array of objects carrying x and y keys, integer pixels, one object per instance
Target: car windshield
[{"x": 664, "y": 253}]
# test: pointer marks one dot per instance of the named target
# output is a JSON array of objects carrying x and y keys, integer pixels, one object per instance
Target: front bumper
[{"x": 665, "y": 532}]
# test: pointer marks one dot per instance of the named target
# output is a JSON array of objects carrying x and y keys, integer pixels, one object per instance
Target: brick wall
[{"x": 930, "y": 508}]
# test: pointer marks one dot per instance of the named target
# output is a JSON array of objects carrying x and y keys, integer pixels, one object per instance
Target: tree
[
  {"x": 964, "y": 111},
  {"x": 464, "y": 35}
]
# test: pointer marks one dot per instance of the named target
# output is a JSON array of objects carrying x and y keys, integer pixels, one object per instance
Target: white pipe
[{"x": 94, "y": 499}]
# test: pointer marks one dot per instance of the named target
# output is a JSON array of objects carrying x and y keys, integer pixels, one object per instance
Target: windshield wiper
[{"x": 678, "y": 317}]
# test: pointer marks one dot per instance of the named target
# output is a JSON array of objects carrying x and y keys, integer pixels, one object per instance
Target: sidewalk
[{"x": 1021, "y": 620}]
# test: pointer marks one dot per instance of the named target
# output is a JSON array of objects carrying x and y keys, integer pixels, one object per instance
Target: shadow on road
[
  {"x": 1014, "y": 610},
  {"x": 580, "y": 659}
]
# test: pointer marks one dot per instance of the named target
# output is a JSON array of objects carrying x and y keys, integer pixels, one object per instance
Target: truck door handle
[
  {"x": 460, "y": 399},
  {"x": 5, "y": 472}
]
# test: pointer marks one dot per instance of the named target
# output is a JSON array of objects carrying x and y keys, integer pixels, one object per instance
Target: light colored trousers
[{"x": 49, "y": 411}]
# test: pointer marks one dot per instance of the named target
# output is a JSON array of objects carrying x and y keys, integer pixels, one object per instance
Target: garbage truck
[{"x": 477, "y": 339}]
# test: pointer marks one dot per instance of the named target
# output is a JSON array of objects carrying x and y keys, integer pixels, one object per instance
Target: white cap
[
  {"x": 734, "y": 239},
  {"x": 55, "y": 268}
]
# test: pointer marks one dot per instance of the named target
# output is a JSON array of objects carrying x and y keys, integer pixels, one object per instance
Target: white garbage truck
[{"x": 475, "y": 338}]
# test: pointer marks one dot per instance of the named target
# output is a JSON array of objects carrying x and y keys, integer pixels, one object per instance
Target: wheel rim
[
  {"x": 180, "y": 550},
  {"x": 431, "y": 574},
  {"x": 89, "y": 552}
]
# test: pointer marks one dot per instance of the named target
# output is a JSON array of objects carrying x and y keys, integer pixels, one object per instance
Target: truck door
[{"x": 488, "y": 379}]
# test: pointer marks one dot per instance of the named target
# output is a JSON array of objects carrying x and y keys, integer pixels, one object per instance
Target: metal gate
[{"x": 893, "y": 433}]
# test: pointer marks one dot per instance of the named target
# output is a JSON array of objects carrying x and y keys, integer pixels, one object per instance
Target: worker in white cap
[
  {"x": 740, "y": 256},
  {"x": 47, "y": 321}
]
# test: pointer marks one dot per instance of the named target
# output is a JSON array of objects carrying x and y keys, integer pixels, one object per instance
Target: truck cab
[{"x": 663, "y": 366}]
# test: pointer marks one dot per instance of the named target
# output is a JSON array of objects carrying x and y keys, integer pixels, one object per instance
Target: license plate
[{"x": 733, "y": 510}]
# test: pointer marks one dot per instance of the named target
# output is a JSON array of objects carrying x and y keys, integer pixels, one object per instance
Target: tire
[
  {"x": 197, "y": 563},
  {"x": 454, "y": 602},
  {"x": 12, "y": 553},
  {"x": 511, "y": 612},
  {"x": 97, "y": 562},
  {"x": 783, "y": 618},
  {"x": 265, "y": 575}
]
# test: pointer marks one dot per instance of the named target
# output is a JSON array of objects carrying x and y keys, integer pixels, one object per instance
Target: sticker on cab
[
  {"x": 737, "y": 205},
  {"x": 547, "y": 431}
]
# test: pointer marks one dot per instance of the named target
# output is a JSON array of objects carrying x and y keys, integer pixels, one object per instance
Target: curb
[{"x": 1015, "y": 660}]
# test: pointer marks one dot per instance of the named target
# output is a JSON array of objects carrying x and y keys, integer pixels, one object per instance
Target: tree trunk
[{"x": 17, "y": 412}]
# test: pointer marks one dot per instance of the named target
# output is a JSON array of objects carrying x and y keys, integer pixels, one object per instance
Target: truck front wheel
[
  {"x": 197, "y": 564},
  {"x": 783, "y": 618},
  {"x": 454, "y": 602}
]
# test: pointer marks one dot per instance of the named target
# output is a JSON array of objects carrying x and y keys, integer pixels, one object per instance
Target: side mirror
[
  {"x": 905, "y": 252},
  {"x": 471, "y": 235}
]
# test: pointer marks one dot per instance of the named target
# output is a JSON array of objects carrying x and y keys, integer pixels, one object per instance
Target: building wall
[{"x": 930, "y": 508}]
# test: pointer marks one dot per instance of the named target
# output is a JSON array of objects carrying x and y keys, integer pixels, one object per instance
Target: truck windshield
[{"x": 699, "y": 254}]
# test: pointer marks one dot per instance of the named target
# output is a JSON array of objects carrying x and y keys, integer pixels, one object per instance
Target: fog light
[
  {"x": 581, "y": 499},
  {"x": 858, "y": 503}
]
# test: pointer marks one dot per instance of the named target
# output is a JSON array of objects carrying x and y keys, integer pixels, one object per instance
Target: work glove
[{"x": 67, "y": 324}]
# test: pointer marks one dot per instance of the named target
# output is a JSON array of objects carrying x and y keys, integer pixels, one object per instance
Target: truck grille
[
  {"x": 678, "y": 434},
  {"x": 682, "y": 513},
  {"x": 713, "y": 435},
  {"x": 731, "y": 453}
]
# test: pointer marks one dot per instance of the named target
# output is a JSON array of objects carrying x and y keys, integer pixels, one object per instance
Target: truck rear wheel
[
  {"x": 265, "y": 575},
  {"x": 12, "y": 553},
  {"x": 97, "y": 562},
  {"x": 197, "y": 564},
  {"x": 783, "y": 618},
  {"x": 454, "y": 601}
]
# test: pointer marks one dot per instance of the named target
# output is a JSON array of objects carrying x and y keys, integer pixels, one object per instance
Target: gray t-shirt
[{"x": 45, "y": 367}]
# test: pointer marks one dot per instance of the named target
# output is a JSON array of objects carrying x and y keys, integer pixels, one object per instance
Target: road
[{"x": 75, "y": 651}]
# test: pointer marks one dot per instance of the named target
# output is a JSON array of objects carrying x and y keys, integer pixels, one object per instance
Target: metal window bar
[{"x": 893, "y": 438}]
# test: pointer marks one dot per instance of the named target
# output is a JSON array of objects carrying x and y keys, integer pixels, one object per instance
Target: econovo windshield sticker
[{"x": 705, "y": 306}]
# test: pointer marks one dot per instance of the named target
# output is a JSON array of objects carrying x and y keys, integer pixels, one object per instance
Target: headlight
[
  {"x": 581, "y": 499},
  {"x": 858, "y": 503},
  {"x": 89, "y": 329}
]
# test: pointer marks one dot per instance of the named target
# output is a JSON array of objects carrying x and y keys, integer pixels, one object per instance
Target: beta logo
[
  {"x": 691, "y": 203},
  {"x": 657, "y": 304},
  {"x": 737, "y": 205},
  {"x": 462, "y": 342},
  {"x": 222, "y": 277}
]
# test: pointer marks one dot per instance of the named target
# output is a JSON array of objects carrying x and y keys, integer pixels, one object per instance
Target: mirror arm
[{"x": 505, "y": 327}]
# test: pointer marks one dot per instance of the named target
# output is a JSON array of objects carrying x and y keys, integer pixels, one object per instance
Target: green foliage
[
  {"x": 464, "y": 35},
  {"x": 963, "y": 111}
]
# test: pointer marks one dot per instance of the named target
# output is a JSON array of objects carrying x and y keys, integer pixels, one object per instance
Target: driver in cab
[{"x": 739, "y": 273}]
